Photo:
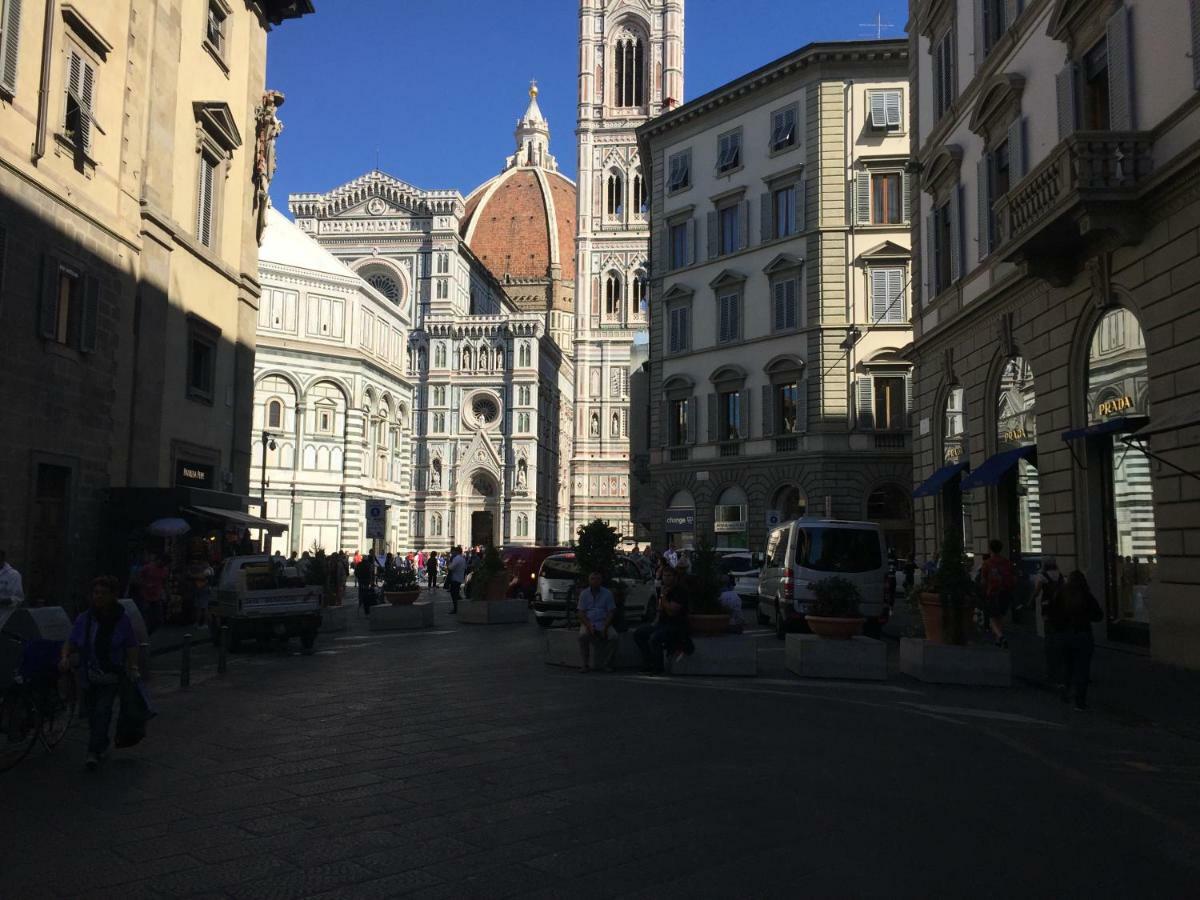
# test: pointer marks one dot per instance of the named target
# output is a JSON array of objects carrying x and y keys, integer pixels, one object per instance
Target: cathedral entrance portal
[{"x": 482, "y": 529}]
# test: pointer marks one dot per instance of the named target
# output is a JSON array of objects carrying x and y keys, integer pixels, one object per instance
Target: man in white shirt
[
  {"x": 456, "y": 572},
  {"x": 11, "y": 591}
]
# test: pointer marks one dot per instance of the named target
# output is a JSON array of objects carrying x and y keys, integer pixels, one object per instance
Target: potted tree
[
  {"x": 489, "y": 581},
  {"x": 400, "y": 586},
  {"x": 947, "y": 598},
  {"x": 834, "y": 611},
  {"x": 706, "y": 615}
]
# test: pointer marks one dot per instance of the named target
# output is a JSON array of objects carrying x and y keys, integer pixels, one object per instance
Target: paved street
[{"x": 453, "y": 763}]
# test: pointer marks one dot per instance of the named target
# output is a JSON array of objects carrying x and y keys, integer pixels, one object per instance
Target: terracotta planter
[
  {"x": 401, "y": 598},
  {"x": 702, "y": 623},
  {"x": 943, "y": 624},
  {"x": 835, "y": 627}
]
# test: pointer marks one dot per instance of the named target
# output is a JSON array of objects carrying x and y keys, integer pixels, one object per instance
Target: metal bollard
[
  {"x": 185, "y": 662},
  {"x": 223, "y": 651}
]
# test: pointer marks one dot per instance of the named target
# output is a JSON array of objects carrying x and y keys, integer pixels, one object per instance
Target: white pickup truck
[{"x": 257, "y": 597}]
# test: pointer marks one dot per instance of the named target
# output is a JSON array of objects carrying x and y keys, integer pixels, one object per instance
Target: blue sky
[{"x": 436, "y": 87}]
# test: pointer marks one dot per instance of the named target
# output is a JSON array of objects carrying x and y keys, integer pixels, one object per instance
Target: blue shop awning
[
  {"x": 938, "y": 480},
  {"x": 994, "y": 467},
  {"x": 1108, "y": 426}
]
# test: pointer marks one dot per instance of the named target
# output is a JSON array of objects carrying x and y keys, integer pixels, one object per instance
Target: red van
[{"x": 523, "y": 565}]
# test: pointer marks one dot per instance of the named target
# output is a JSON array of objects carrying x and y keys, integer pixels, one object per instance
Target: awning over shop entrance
[
  {"x": 236, "y": 517},
  {"x": 1108, "y": 426},
  {"x": 939, "y": 479},
  {"x": 1182, "y": 415},
  {"x": 994, "y": 467}
]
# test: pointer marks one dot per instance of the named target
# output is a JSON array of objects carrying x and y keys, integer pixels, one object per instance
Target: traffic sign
[{"x": 376, "y": 519}]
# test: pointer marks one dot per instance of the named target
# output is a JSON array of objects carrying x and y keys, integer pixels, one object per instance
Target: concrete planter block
[
  {"x": 402, "y": 618},
  {"x": 815, "y": 657},
  {"x": 493, "y": 612},
  {"x": 562, "y": 649},
  {"x": 730, "y": 654},
  {"x": 947, "y": 664},
  {"x": 334, "y": 618}
]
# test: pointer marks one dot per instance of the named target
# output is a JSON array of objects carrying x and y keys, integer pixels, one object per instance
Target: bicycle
[{"x": 39, "y": 705}]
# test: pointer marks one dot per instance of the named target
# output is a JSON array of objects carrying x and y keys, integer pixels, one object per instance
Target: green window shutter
[
  {"x": 862, "y": 198},
  {"x": 712, "y": 418},
  {"x": 48, "y": 318},
  {"x": 866, "y": 403},
  {"x": 89, "y": 321},
  {"x": 87, "y": 99},
  {"x": 983, "y": 203},
  {"x": 744, "y": 414},
  {"x": 927, "y": 258},
  {"x": 713, "y": 237},
  {"x": 1120, "y": 72},
  {"x": 744, "y": 225},
  {"x": 780, "y": 306},
  {"x": 10, "y": 43},
  {"x": 1066, "y": 85},
  {"x": 768, "y": 410},
  {"x": 766, "y": 215},
  {"x": 691, "y": 242}
]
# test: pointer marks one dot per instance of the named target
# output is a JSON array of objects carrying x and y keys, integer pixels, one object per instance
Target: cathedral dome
[{"x": 521, "y": 223}]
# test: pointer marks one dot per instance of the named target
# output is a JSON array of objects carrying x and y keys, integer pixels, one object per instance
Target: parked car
[
  {"x": 557, "y": 593},
  {"x": 805, "y": 551},
  {"x": 640, "y": 563},
  {"x": 745, "y": 567},
  {"x": 522, "y": 565}
]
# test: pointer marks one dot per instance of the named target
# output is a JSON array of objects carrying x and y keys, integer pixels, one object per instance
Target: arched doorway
[
  {"x": 889, "y": 507},
  {"x": 730, "y": 520},
  {"x": 956, "y": 451},
  {"x": 788, "y": 503},
  {"x": 483, "y": 503},
  {"x": 680, "y": 521}
]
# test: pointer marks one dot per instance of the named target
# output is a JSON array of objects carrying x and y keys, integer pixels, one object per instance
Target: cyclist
[{"x": 107, "y": 650}]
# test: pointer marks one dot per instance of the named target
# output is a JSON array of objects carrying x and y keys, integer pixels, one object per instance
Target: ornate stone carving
[
  {"x": 267, "y": 129},
  {"x": 1099, "y": 269}
]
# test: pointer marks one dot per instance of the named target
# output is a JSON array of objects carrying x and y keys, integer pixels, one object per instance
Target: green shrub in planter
[{"x": 835, "y": 598}]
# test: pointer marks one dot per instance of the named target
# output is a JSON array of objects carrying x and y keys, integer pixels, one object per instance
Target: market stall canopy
[
  {"x": 235, "y": 517},
  {"x": 938, "y": 480},
  {"x": 995, "y": 467}
]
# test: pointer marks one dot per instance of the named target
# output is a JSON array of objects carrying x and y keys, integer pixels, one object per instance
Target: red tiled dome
[{"x": 522, "y": 222}]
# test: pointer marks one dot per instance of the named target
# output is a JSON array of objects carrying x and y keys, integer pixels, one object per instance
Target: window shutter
[
  {"x": 866, "y": 401},
  {"x": 89, "y": 321},
  {"x": 48, "y": 318},
  {"x": 893, "y": 101},
  {"x": 86, "y": 99},
  {"x": 956, "y": 234},
  {"x": 780, "y": 305},
  {"x": 744, "y": 225},
  {"x": 1012, "y": 9},
  {"x": 1196, "y": 43},
  {"x": 906, "y": 195},
  {"x": 927, "y": 257},
  {"x": 693, "y": 411},
  {"x": 801, "y": 205},
  {"x": 1016, "y": 150},
  {"x": 713, "y": 242},
  {"x": 980, "y": 46},
  {"x": 801, "y": 406},
  {"x": 878, "y": 294},
  {"x": 768, "y": 410},
  {"x": 691, "y": 242},
  {"x": 895, "y": 295},
  {"x": 744, "y": 414},
  {"x": 1068, "y": 100},
  {"x": 982, "y": 170},
  {"x": 767, "y": 219},
  {"x": 878, "y": 103},
  {"x": 204, "y": 205},
  {"x": 712, "y": 418},
  {"x": 74, "y": 76},
  {"x": 10, "y": 42},
  {"x": 1120, "y": 69},
  {"x": 862, "y": 198},
  {"x": 908, "y": 398}
]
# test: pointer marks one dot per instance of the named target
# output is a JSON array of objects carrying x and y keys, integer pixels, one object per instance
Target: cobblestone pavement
[{"x": 453, "y": 763}]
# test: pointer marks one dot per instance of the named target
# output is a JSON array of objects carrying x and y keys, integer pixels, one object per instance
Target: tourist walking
[
  {"x": 104, "y": 650},
  {"x": 1073, "y": 610},
  {"x": 668, "y": 633},
  {"x": 456, "y": 573},
  {"x": 999, "y": 578},
  {"x": 1045, "y": 594},
  {"x": 152, "y": 585},
  {"x": 364, "y": 576},
  {"x": 431, "y": 571},
  {"x": 597, "y": 607},
  {"x": 12, "y": 592}
]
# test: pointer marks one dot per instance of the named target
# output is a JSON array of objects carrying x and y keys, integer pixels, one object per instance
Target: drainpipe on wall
[{"x": 43, "y": 111}]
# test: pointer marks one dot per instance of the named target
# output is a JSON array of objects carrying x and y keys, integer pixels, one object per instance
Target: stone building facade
[
  {"x": 128, "y": 269},
  {"x": 779, "y": 300},
  {"x": 1056, "y": 339},
  {"x": 631, "y": 69}
]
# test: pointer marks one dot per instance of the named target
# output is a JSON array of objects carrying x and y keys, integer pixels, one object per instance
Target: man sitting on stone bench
[
  {"x": 668, "y": 634},
  {"x": 596, "y": 610}
]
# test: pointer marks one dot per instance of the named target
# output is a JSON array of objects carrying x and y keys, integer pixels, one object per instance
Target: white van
[{"x": 805, "y": 551}]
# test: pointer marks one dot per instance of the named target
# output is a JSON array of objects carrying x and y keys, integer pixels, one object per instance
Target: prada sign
[{"x": 1113, "y": 407}]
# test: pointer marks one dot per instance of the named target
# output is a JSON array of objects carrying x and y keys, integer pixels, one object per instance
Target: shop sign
[
  {"x": 729, "y": 518},
  {"x": 1114, "y": 406},
  {"x": 680, "y": 521},
  {"x": 729, "y": 527},
  {"x": 195, "y": 475},
  {"x": 953, "y": 453}
]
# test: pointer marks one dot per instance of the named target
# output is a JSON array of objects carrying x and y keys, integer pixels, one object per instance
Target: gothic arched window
[
  {"x": 274, "y": 414},
  {"x": 615, "y": 194},
  {"x": 640, "y": 300},
  {"x": 641, "y": 196},
  {"x": 612, "y": 295},
  {"x": 629, "y": 59},
  {"x": 526, "y": 356},
  {"x": 439, "y": 356}
]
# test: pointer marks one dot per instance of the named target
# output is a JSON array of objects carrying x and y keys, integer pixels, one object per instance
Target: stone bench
[
  {"x": 562, "y": 649},
  {"x": 974, "y": 664},
  {"x": 334, "y": 618},
  {"x": 729, "y": 654},
  {"x": 402, "y": 618},
  {"x": 493, "y": 612},
  {"x": 810, "y": 656}
]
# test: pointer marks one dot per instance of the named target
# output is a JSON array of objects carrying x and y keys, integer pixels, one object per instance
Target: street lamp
[{"x": 268, "y": 442}]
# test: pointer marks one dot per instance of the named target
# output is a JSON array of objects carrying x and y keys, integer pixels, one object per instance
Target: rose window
[{"x": 485, "y": 409}]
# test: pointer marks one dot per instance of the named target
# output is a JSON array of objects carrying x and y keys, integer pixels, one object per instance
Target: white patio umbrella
[{"x": 169, "y": 528}]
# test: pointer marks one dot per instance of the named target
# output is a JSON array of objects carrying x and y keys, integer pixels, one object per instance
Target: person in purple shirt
[{"x": 104, "y": 650}]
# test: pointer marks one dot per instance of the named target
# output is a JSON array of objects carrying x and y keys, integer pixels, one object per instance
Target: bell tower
[{"x": 631, "y": 69}]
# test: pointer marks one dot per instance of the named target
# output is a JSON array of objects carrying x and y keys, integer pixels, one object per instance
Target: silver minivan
[{"x": 805, "y": 551}]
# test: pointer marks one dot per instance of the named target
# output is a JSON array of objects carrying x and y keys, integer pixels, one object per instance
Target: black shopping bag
[{"x": 136, "y": 711}]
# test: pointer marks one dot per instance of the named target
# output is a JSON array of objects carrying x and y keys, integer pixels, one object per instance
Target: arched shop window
[
  {"x": 730, "y": 519},
  {"x": 680, "y": 521},
  {"x": 1013, "y": 469},
  {"x": 1119, "y": 470},
  {"x": 956, "y": 450},
  {"x": 789, "y": 503}
]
